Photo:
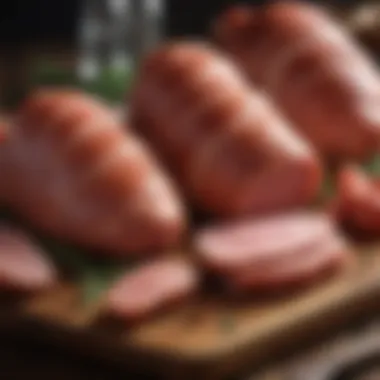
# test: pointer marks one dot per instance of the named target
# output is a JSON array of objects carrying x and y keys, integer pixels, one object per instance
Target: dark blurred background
[{"x": 34, "y": 21}]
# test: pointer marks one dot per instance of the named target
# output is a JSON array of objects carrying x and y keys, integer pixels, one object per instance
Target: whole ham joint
[
  {"x": 150, "y": 288},
  {"x": 226, "y": 145},
  {"x": 315, "y": 72},
  {"x": 23, "y": 265},
  {"x": 72, "y": 171},
  {"x": 273, "y": 251}
]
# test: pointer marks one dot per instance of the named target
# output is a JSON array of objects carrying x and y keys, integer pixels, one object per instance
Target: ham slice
[
  {"x": 151, "y": 287},
  {"x": 23, "y": 265},
  {"x": 304, "y": 267},
  {"x": 275, "y": 250},
  {"x": 231, "y": 247}
]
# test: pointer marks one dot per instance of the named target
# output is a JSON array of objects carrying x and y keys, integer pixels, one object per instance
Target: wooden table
[{"x": 21, "y": 358}]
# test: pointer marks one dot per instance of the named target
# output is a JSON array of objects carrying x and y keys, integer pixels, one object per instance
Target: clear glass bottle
[{"x": 114, "y": 34}]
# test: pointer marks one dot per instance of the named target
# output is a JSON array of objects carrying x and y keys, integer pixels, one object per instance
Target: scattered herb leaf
[
  {"x": 328, "y": 189},
  {"x": 328, "y": 186},
  {"x": 95, "y": 275},
  {"x": 96, "y": 280},
  {"x": 111, "y": 84},
  {"x": 372, "y": 167}
]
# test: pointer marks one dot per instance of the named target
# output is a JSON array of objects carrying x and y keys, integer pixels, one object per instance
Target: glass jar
[{"x": 113, "y": 36}]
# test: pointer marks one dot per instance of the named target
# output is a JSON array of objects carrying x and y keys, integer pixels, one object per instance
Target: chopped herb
[
  {"x": 95, "y": 275},
  {"x": 111, "y": 84},
  {"x": 96, "y": 280},
  {"x": 328, "y": 189},
  {"x": 373, "y": 166},
  {"x": 328, "y": 186}
]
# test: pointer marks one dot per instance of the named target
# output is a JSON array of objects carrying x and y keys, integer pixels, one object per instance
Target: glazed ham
[
  {"x": 150, "y": 288},
  {"x": 232, "y": 153},
  {"x": 318, "y": 76},
  {"x": 23, "y": 265},
  {"x": 72, "y": 171},
  {"x": 273, "y": 251}
]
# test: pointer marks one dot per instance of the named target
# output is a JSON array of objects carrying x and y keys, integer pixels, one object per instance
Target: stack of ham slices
[
  {"x": 273, "y": 253},
  {"x": 241, "y": 132}
]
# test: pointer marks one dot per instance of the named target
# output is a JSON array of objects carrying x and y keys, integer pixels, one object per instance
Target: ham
[
  {"x": 259, "y": 241},
  {"x": 224, "y": 142},
  {"x": 273, "y": 251},
  {"x": 72, "y": 171},
  {"x": 313, "y": 70},
  {"x": 306, "y": 266},
  {"x": 357, "y": 201},
  {"x": 23, "y": 265},
  {"x": 151, "y": 287}
]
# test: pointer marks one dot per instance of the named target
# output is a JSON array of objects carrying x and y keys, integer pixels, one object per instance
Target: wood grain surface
[{"x": 352, "y": 355}]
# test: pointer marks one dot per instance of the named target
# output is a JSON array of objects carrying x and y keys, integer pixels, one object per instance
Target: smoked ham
[
  {"x": 306, "y": 267},
  {"x": 231, "y": 246},
  {"x": 71, "y": 170},
  {"x": 226, "y": 145},
  {"x": 272, "y": 251},
  {"x": 357, "y": 202},
  {"x": 318, "y": 76},
  {"x": 23, "y": 265},
  {"x": 150, "y": 288}
]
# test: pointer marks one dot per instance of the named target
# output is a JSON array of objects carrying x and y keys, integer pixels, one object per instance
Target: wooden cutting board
[
  {"x": 209, "y": 338},
  {"x": 347, "y": 355}
]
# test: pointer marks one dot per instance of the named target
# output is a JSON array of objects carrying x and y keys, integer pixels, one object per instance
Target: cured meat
[
  {"x": 150, "y": 288},
  {"x": 72, "y": 171},
  {"x": 225, "y": 143},
  {"x": 23, "y": 266},
  {"x": 318, "y": 76},
  {"x": 357, "y": 202},
  {"x": 274, "y": 251},
  {"x": 261, "y": 242},
  {"x": 326, "y": 257}
]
